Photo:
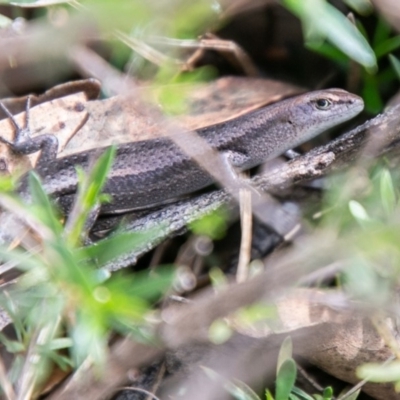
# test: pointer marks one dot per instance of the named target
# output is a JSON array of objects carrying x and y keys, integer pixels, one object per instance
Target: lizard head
[{"x": 318, "y": 111}]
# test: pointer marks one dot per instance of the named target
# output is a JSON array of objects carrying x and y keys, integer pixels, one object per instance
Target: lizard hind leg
[{"x": 24, "y": 143}]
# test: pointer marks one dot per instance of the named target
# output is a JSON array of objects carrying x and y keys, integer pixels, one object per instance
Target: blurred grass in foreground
[{"x": 64, "y": 300}]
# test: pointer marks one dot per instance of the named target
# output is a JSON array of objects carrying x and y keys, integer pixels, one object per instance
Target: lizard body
[{"x": 150, "y": 172}]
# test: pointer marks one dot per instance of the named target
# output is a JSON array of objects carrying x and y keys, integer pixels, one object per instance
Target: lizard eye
[{"x": 323, "y": 104}]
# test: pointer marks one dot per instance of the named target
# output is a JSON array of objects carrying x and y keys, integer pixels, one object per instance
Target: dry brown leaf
[
  {"x": 16, "y": 105},
  {"x": 112, "y": 121},
  {"x": 339, "y": 341},
  {"x": 228, "y": 98}
]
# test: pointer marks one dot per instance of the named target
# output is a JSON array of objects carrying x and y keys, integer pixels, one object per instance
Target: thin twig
[
  {"x": 140, "y": 390},
  {"x": 245, "y": 243}
]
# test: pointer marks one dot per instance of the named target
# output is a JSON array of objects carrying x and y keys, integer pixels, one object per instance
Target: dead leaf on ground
[
  {"x": 229, "y": 98},
  {"x": 91, "y": 88},
  {"x": 336, "y": 340}
]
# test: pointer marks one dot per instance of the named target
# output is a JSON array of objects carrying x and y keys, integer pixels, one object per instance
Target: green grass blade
[
  {"x": 43, "y": 206},
  {"x": 108, "y": 249},
  {"x": 323, "y": 21},
  {"x": 87, "y": 199},
  {"x": 395, "y": 62},
  {"x": 285, "y": 352},
  {"x": 285, "y": 380},
  {"x": 388, "y": 46}
]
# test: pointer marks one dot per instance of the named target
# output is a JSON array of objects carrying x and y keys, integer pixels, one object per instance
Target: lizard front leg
[
  {"x": 23, "y": 143},
  {"x": 234, "y": 163}
]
